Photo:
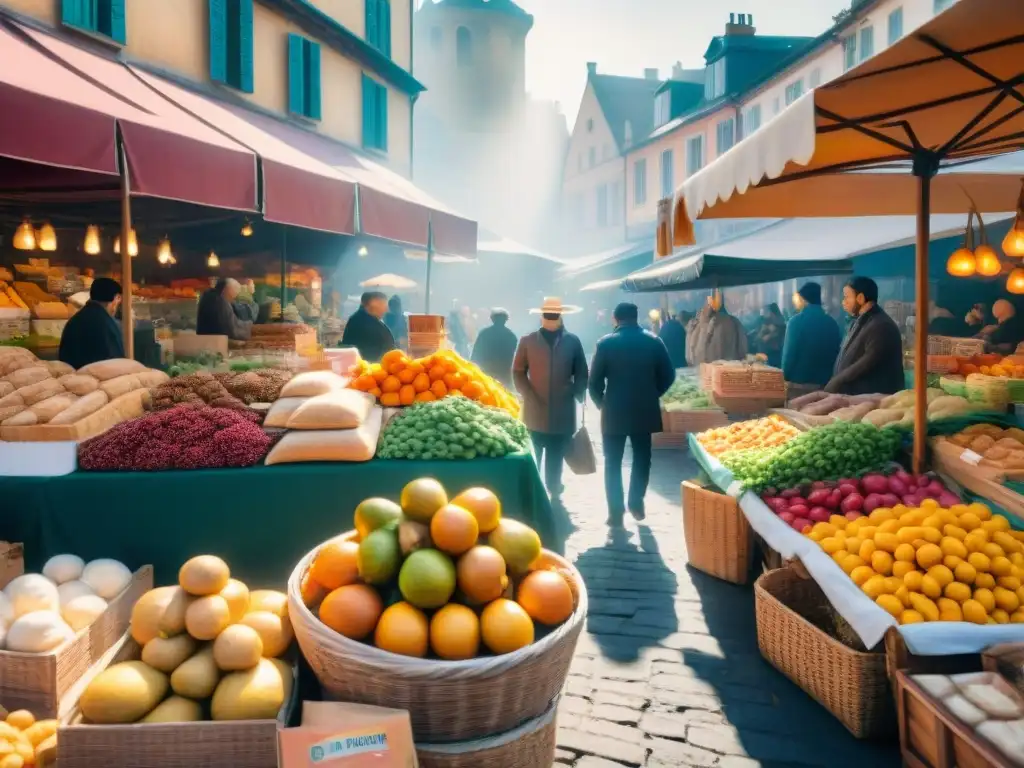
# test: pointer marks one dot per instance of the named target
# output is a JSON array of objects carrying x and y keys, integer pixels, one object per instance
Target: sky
[{"x": 626, "y": 36}]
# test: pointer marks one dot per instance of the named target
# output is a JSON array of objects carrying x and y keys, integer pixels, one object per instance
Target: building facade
[
  {"x": 342, "y": 68},
  {"x": 747, "y": 80}
]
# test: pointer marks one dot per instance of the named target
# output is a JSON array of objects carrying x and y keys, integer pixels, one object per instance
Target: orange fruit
[
  {"x": 506, "y": 626},
  {"x": 546, "y": 597},
  {"x": 335, "y": 564},
  {"x": 437, "y": 372},
  {"x": 390, "y": 384},
  {"x": 310, "y": 590},
  {"x": 454, "y": 380},
  {"x": 484, "y": 505},
  {"x": 453, "y": 529},
  {"x": 416, "y": 367},
  {"x": 407, "y": 395},
  {"x": 474, "y": 390},
  {"x": 455, "y": 633},
  {"x": 379, "y": 374},
  {"x": 392, "y": 357},
  {"x": 364, "y": 383},
  {"x": 439, "y": 389},
  {"x": 390, "y": 400},
  {"x": 455, "y": 392},
  {"x": 352, "y": 610},
  {"x": 425, "y": 397},
  {"x": 406, "y": 376},
  {"x": 481, "y": 574},
  {"x": 377, "y": 393},
  {"x": 403, "y": 629},
  {"x": 421, "y": 383}
]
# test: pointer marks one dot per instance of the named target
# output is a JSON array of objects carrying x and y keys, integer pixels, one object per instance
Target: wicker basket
[
  {"x": 685, "y": 422},
  {"x": 850, "y": 684},
  {"x": 954, "y": 385},
  {"x": 719, "y": 540},
  {"x": 951, "y": 345},
  {"x": 426, "y": 323},
  {"x": 989, "y": 391},
  {"x": 531, "y": 745},
  {"x": 448, "y": 701}
]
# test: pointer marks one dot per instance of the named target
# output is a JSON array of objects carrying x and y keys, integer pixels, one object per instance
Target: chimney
[
  {"x": 650, "y": 74},
  {"x": 677, "y": 71},
  {"x": 591, "y": 67},
  {"x": 740, "y": 24}
]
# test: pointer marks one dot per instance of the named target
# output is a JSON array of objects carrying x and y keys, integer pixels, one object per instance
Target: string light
[{"x": 212, "y": 261}]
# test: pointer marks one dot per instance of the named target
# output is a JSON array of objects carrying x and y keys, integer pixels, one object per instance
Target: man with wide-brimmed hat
[{"x": 550, "y": 373}]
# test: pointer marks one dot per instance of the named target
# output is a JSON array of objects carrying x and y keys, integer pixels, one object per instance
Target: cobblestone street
[{"x": 668, "y": 672}]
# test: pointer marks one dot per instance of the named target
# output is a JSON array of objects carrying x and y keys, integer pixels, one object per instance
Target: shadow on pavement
[
  {"x": 631, "y": 593},
  {"x": 771, "y": 719}
]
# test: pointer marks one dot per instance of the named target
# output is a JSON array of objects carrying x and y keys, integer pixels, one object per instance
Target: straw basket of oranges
[{"x": 455, "y": 689}]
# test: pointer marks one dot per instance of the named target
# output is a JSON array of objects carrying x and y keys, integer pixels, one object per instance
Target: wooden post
[
  {"x": 430, "y": 264},
  {"x": 924, "y": 182},
  {"x": 284, "y": 271},
  {"x": 127, "y": 324}
]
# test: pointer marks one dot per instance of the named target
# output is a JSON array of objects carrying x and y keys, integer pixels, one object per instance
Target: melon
[
  {"x": 82, "y": 611},
  {"x": 38, "y": 632},
  {"x": 69, "y": 590},
  {"x": 107, "y": 578},
  {"x": 237, "y": 648},
  {"x": 32, "y": 592},
  {"x": 197, "y": 677},
  {"x": 204, "y": 575},
  {"x": 63, "y": 568},
  {"x": 166, "y": 655},
  {"x": 207, "y": 617},
  {"x": 175, "y": 709},
  {"x": 123, "y": 693}
]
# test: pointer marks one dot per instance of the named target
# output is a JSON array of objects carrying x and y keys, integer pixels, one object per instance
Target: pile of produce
[
  {"x": 452, "y": 428},
  {"x": 930, "y": 561},
  {"x": 42, "y": 304},
  {"x": 184, "y": 365},
  {"x": 40, "y": 612},
  {"x": 758, "y": 433},
  {"x": 453, "y": 578},
  {"x": 25, "y": 741},
  {"x": 208, "y": 646},
  {"x": 182, "y": 437},
  {"x": 35, "y": 392},
  {"x": 831, "y": 452},
  {"x": 1011, "y": 367},
  {"x": 685, "y": 394},
  {"x": 9, "y": 298},
  {"x": 984, "y": 702},
  {"x": 879, "y": 410},
  {"x": 259, "y": 385},
  {"x": 199, "y": 388},
  {"x": 999, "y": 448},
  {"x": 805, "y": 505},
  {"x": 398, "y": 380},
  {"x": 279, "y": 336}
]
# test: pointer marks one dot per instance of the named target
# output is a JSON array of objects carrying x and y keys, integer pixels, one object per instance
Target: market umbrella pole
[
  {"x": 284, "y": 271},
  {"x": 430, "y": 263},
  {"x": 127, "y": 325},
  {"x": 925, "y": 168}
]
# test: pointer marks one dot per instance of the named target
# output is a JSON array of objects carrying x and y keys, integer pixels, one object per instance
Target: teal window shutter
[
  {"x": 218, "y": 41},
  {"x": 312, "y": 80},
  {"x": 245, "y": 46},
  {"x": 73, "y": 12},
  {"x": 372, "y": 19},
  {"x": 296, "y": 75},
  {"x": 385, "y": 27},
  {"x": 117, "y": 26},
  {"x": 369, "y": 111},
  {"x": 382, "y": 118}
]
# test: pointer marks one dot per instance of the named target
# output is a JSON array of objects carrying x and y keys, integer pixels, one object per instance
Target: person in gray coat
[
  {"x": 550, "y": 373},
  {"x": 631, "y": 371}
]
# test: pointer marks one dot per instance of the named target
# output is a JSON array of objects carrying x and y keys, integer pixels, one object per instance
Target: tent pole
[
  {"x": 127, "y": 323},
  {"x": 430, "y": 264},
  {"x": 924, "y": 168},
  {"x": 284, "y": 271}
]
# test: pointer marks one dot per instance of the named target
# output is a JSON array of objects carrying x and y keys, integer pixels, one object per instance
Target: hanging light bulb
[
  {"x": 47, "y": 237},
  {"x": 171, "y": 261},
  {"x": 363, "y": 251},
  {"x": 133, "y": 244},
  {"x": 1015, "y": 282},
  {"x": 25, "y": 237},
  {"x": 163, "y": 252},
  {"x": 212, "y": 261},
  {"x": 962, "y": 263},
  {"x": 1013, "y": 243},
  {"x": 247, "y": 229},
  {"x": 91, "y": 243},
  {"x": 987, "y": 261}
]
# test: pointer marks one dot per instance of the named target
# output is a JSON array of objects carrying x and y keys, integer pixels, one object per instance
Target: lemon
[
  {"x": 912, "y": 581},
  {"x": 954, "y": 532},
  {"x": 930, "y": 587},
  {"x": 1000, "y": 616},
  {"x": 1000, "y": 565},
  {"x": 891, "y": 604},
  {"x": 882, "y": 562},
  {"x": 905, "y": 553},
  {"x": 968, "y": 521},
  {"x": 928, "y": 555},
  {"x": 974, "y": 612},
  {"x": 1006, "y": 599}
]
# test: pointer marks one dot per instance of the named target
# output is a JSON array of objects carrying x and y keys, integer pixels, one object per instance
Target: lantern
[
  {"x": 247, "y": 229},
  {"x": 961, "y": 263},
  {"x": 25, "y": 237},
  {"x": 987, "y": 261},
  {"x": 212, "y": 261},
  {"x": 133, "y": 244},
  {"x": 47, "y": 238},
  {"x": 163, "y": 252},
  {"x": 1015, "y": 282},
  {"x": 91, "y": 243},
  {"x": 1013, "y": 243}
]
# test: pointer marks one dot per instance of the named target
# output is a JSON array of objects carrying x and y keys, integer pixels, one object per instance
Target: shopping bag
[{"x": 580, "y": 454}]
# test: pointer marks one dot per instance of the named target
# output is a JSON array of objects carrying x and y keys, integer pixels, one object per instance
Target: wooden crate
[
  {"x": 38, "y": 681},
  {"x": 128, "y": 406},
  {"x": 685, "y": 422},
  {"x": 719, "y": 540},
  {"x": 898, "y": 657},
  {"x": 932, "y": 738},
  {"x": 669, "y": 441},
  {"x": 12, "y": 562},
  {"x": 210, "y": 744}
]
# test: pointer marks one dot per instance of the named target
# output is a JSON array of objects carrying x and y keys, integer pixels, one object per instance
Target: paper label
[
  {"x": 347, "y": 745},
  {"x": 971, "y": 457}
]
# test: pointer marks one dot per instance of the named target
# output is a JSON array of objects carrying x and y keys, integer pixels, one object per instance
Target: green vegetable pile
[
  {"x": 452, "y": 428},
  {"x": 685, "y": 394},
  {"x": 832, "y": 452}
]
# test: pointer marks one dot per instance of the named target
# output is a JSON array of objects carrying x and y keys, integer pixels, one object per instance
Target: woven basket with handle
[
  {"x": 448, "y": 701},
  {"x": 850, "y": 684}
]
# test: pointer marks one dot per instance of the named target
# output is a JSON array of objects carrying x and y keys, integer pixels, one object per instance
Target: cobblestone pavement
[{"x": 668, "y": 672}]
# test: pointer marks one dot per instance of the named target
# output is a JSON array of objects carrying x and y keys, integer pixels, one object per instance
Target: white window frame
[
  {"x": 694, "y": 142},
  {"x": 866, "y": 35},
  {"x": 667, "y": 172},
  {"x": 662, "y": 108},
  {"x": 897, "y": 14},
  {"x": 794, "y": 91},
  {"x": 849, "y": 52}
]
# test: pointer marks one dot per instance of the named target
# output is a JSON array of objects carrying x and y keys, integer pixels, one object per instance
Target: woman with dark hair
[
  {"x": 771, "y": 334},
  {"x": 396, "y": 322}
]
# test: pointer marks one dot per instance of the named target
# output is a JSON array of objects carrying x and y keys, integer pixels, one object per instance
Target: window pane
[
  {"x": 867, "y": 43},
  {"x": 895, "y": 25},
  {"x": 667, "y": 181}
]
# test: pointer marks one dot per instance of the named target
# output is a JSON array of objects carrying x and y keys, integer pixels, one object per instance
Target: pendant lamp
[
  {"x": 133, "y": 244},
  {"x": 987, "y": 261},
  {"x": 163, "y": 252},
  {"x": 46, "y": 238},
  {"x": 91, "y": 243},
  {"x": 962, "y": 262},
  {"x": 363, "y": 251},
  {"x": 25, "y": 237},
  {"x": 1013, "y": 243},
  {"x": 247, "y": 229},
  {"x": 1015, "y": 282},
  {"x": 212, "y": 261}
]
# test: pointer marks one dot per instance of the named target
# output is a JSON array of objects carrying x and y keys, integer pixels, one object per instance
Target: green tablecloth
[{"x": 261, "y": 519}]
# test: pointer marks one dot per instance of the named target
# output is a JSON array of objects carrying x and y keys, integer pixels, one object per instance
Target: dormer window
[
  {"x": 662, "y": 108},
  {"x": 627, "y": 134},
  {"x": 714, "y": 79}
]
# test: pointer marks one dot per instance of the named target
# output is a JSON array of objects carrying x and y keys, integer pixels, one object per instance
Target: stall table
[{"x": 261, "y": 520}]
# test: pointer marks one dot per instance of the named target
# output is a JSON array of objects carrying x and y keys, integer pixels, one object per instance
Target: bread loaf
[
  {"x": 52, "y": 406},
  {"x": 58, "y": 369},
  {"x": 27, "y": 376},
  {"x": 111, "y": 369},
  {"x": 121, "y": 385},
  {"x": 84, "y": 406},
  {"x": 24, "y": 419},
  {"x": 34, "y": 393},
  {"x": 6, "y": 388},
  {"x": 79, "y": 384}
]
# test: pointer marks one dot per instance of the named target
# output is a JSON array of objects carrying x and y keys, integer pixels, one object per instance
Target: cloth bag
[{"x": 580, "y": 454}]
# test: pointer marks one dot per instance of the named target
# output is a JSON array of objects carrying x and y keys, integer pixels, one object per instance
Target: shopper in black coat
[
  {"x": 92, "y": 334},
  {"x": 365, "y": 329},
  {"x": 495, "y": 348},
  {"x": 871, "y": 358}
]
